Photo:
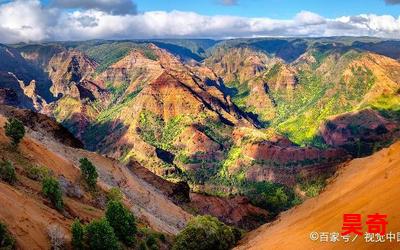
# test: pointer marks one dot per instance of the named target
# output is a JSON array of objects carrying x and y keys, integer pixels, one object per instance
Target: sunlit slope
[
  {"x": 28, "y": 214},
  {"x": 365, "y": 186}
]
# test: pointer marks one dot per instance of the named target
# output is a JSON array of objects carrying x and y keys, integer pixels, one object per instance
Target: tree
[
  {"x": 14, "y": 129},
  {"x": 89, "y": 172},
  {"x": 6, "y": 240},
  {"x": 100, "y": 235},
  {"x": 77, "y": 231},
  {"x": 51, "y": 189},
  {"x": 206, "y": 232},
  {"x": 7, "y": 172},
  {"x": 122, "y": 221}
]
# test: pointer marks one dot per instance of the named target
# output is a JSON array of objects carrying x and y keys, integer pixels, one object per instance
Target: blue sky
[
  {"x": 44, "y": 20},
  {"x": 274, "y": 8}
]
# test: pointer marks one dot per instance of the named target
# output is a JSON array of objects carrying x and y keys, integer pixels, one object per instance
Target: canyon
[{"x": 242, "y": 131}]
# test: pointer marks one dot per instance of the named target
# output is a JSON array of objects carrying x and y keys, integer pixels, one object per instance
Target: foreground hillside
[
  {"x": 28, "y": 215},
  {"x": 363, "y": 186}
]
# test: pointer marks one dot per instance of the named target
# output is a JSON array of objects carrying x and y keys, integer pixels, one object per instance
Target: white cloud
[
  {"x": 30, "y": 21},
  {"x": 25, "y": 20},
  {"x": 117, "y": 7},
  {"x": 309, "y": 18}
]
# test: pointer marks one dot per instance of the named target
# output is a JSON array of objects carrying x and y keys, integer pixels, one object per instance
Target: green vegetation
[
  {"x": 101, "y": 126},
  {"x": 122, "y": 221},
  {"x": 361, "y": 81},
  {"x": 117, "y": 91},
  {"x": 150, "y": 54},
  {"x": 233, "y": 154},
  {"x": 7, "y": 172},
  {"x": 300, "y": 116},
  {"x": 100, "y": 235},
  {"x": 14, "y": 129},
  {"x": 242, "y": 92},
  {"x": 272, "y": 196},
  {"x": 150, "y": 239},
  {"x": 38, "y": 173},
  {"x": 155, "y": 131},
  {"x": 51, "y": 189},
  {"x": 318, "y": 95},
  {"x": 118, "y": 224},
  {"x": 217, "y": 131},
  {"x": 388, "y": 106},
  {"x": 96, "y": 235},
  {"x": 313, "y": 186},
  {"x": 109, "y": 53},
  {"x": 114, "y": 194},
  {"x": 88, "y": 172},
  {"x": 77, "y": 231},
  {"x": 201, "y": 175},
  {"x": 273, "y": 72},
  {"x": 319, "y": 58},
  {"x": 204, "y": 233},
  {"x": 7, "y": 242}
]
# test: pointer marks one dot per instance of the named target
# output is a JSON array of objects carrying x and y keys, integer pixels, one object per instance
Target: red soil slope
[
  {"x": 365, "y": 186},
  {"x": 28, "y": 214}
]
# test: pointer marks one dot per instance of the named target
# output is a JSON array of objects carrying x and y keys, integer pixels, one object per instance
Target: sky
[
  {"x": 273, "y": 8},
  {"x": 49, "y": 20}
]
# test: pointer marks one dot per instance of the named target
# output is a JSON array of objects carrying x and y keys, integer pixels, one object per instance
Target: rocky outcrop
[
  {"x": 67, "y": 70},
  {"x": 236, "y": 211},
  {"x": 239, "y": 64},
  {"x": 134, "y": 70},
  {"x": 10, "y": 84},
  {"x": 281, "y": 77},
  {"x": 282, "y": 162},
  {"x": 42, "y": 124},
  {"x": 177, "y": 192},
  {"x": 291, "y": 156},
  {"x": 360, "y": 133}
]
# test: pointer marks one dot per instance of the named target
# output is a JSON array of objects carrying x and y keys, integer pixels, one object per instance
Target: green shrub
[
  {"x": 38, "y": 173},
  {"x": 114, "y": 194},
  {"x": 204, "y": 233},
  {"x": 99, "y": 235},
  {"x": 150, "y": 239},
  {"x": 7, "y": 172},
  {"x": 14, "y": 129},
  {"x": 143, "y": 246},
  {"x": 122, "y": 221},
  {"x": 312, "y": 187},
  {"x": 271, "y": 196},
  {"x": 6, "y": 239},
  {"x": 151, "y": 242},
  {"x": 89, "y": 172},
  {"x": 51, "y": 189},
  {"x": 77, "y": 231}
]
